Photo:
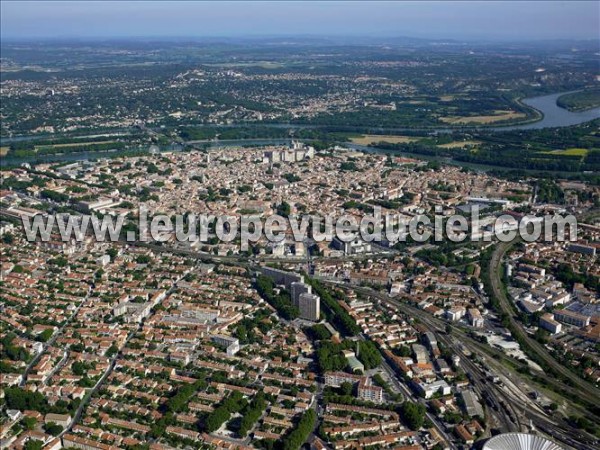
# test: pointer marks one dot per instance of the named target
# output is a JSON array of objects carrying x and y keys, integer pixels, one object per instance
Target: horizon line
[{"x": 468, "y": 39}]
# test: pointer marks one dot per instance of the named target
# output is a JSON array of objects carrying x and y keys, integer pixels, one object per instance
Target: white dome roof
[{"x": 520, "y": 441}]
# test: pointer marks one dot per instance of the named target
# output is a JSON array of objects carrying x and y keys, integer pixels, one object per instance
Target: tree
[
  {"x": 183, "y": 395},
  {"x": 241, "y": 333},
  {"x": 346, "y": 388},
  {"x": 33, "y": 444},
  {"x": 330, "y": 357},
  {"x": 45, "y": 335},
  {"x": 17, "y": 398},
  {"x": 348, "y": 166},
  {"x": 318, "y": 332},
  {"x": 252, "y": 413},
  {"x": 291, "y": 178},
  {"x": 78, "y": 347},
  {"x": 281, "y": 302},
  {"x": 10, "y": 351},
  {"x": 369, "y": 354},
  {"x": 53, "y": 429},
  {"x": 413, "y": 414},
  {"x": 78, "y": 368},
  {"x": 298, "y": 436},
  {"x": 402, "y": 351},
  {"x": 335, "y": 313},
  {"x": 112, "y": 350},
  {"x": 29, "y": 423},
  {"x": 143, "y": 259},
  {"x": 234, "y": 403},
  {"x": 112, "y": 252},
  {"x": 284, "y": 209}
]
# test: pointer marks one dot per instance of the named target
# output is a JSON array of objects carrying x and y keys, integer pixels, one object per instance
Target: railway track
[
  {"x": 590, "y": 393},
  {"x": 514, "y": 413}
]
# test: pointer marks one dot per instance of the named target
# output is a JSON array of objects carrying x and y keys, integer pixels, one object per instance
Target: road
[
  {"x": 590, "y": 393},
  {"x": 109, "y": 369},
  {"x": 51, "y": 341},
  {"x": 439, "y": 329},
  {"x": 503, "y": 416},
  {"x": 409, "y": 394},
  {"x": 88, "y": 396},
  {"x": 522, "y": 408},
  {"x": 559, "y": 431}
]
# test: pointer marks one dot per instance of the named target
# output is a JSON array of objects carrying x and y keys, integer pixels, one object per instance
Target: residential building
[
  {"x": 547, "y": 322},
  {"x": 310, "y": 306}
]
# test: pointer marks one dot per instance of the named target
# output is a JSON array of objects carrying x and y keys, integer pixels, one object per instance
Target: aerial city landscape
[{"x": 197, "y": 225}]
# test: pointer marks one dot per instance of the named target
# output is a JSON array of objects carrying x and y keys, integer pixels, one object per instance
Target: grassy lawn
[
  {"x": 73, "y": 144},
  {"x": 447, "y": 98},
  {"x": 460, "y": 144},
  {"x": 498, "y": 117},
  {"x": 367, "y": 139},
  {"x": 580, "y": 101},
  {"x": 569, "y": 152}
]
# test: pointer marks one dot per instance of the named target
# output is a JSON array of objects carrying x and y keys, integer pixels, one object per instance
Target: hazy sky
[{"x": 444, "y": 19}]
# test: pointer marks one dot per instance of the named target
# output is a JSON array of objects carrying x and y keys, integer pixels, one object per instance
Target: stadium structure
[{"x": 520, "y": 441}]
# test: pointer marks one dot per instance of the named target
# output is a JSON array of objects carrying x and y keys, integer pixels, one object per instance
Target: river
[{"x": 553, "y": 116}]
